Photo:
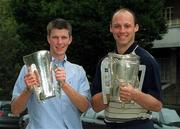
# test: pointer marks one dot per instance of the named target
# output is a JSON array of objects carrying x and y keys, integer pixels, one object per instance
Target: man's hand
[
  {"x": 127, "y": 92},
  {"x": 31, "y": 79},
  {"x": 60, "y": 75}
]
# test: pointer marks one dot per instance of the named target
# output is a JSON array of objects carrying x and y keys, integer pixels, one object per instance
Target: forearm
[
  {"x": 80, "y": 101},
  {"x": 147, "y": 101},
  {"x": 97, "y": 102},
  {"x": 18, "y": 105}
]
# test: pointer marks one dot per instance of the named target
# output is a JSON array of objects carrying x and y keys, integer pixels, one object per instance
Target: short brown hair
[{"x": 59, "y": 23}]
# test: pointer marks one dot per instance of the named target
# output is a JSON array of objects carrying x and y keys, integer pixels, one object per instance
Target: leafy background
[{"x": 23, "y": 31}]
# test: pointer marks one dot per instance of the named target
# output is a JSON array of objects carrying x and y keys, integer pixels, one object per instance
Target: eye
[
  {"x": 54, "y": 37},
  {"x": 127, "y": 26},
  {"x": 64, "y": 37},
  {"x": 116, "y": 26}
]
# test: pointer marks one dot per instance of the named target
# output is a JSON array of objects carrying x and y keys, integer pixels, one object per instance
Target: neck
[
  {"x": 58, "y": 57},
  {"x": 123, "y": 48}
]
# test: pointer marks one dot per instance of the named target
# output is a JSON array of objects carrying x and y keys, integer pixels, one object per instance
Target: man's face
[
  {"x": 59, "y": 40},
  {"x": 123, "y": 28}
]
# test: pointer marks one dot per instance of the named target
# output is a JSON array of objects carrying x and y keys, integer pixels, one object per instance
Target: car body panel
[
  {"x": 165, "y": 119},
  {"x": 7, "y": 119}
]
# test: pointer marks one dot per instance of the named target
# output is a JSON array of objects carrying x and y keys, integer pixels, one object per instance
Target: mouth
[
  {"x": 60, "y": 47},
  {"x": 122, "y": 37}
]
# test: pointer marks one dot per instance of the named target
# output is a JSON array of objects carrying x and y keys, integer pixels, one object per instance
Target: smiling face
[
  {"x": 123, "y": 28},
  {"x": 59, "y": 40}
]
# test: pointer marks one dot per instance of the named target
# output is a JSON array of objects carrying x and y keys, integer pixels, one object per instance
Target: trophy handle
[
  {"x": 142, "y": 69},
  {"x": 58, "y": 89},
  {"x": 105, "y": 79}
]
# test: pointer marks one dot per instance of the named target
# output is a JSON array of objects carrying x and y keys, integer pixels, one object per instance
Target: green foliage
[
  {"x": 90, "y": 20},
  {"x": 9, "y": 48}
]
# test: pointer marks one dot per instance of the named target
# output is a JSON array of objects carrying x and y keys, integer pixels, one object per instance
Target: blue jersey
[{"x": 151, "y": 84}]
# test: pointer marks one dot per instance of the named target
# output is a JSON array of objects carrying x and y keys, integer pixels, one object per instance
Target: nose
[
  {"x": 121, "y": 29},
  {"x": 59, "y": 41}
]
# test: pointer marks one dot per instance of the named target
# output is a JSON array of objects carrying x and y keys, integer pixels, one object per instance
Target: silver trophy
[
  {"x": 40, "y": 62},
  {"x": 118, "y": 70},
  {"x": 122, "y": 70}
]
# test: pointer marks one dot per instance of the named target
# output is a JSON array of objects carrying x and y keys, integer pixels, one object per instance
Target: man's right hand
[{"x": 31, "y": 79}]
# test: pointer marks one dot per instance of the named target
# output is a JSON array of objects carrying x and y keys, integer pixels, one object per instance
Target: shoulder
[
  {"x": 143, "y": 53},
  {"x": 145, "y": 56},
  {"x": 100, "y": 60},
  {"x": 73, "y": 66},
  {"x": 23, "y": 71}
]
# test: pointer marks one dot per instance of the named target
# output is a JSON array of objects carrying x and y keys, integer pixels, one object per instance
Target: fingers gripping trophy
[{"x": 119, "y": 71}]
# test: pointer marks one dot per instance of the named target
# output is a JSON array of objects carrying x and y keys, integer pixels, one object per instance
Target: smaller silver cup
[{"x": 40, "y": 62}]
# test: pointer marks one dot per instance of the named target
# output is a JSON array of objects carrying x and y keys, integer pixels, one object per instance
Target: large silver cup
[
  {"x": 40, "y": 62},
  {"x": 124, "y": 71}
]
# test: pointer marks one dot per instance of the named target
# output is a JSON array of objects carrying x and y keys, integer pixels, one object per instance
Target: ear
[
  {"x": 136, "y": 27},
  {"x": 48, "y": 39},
  {"x": 110, "y": 28},
  {"x": 70, "y": 40}
]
